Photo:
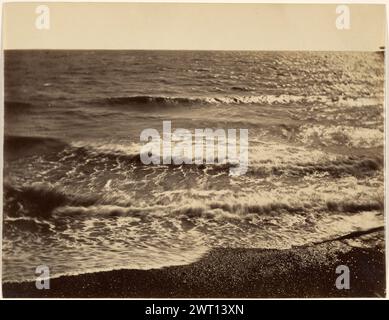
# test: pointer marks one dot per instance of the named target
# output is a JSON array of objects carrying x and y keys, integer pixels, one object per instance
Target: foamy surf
[{"x": 78, "y": 198}]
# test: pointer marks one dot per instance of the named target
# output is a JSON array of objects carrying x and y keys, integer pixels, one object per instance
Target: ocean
[{"x": 78, "y": 199}]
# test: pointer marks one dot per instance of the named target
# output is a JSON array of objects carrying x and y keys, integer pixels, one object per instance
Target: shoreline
[{"x": 300, "y": 272}]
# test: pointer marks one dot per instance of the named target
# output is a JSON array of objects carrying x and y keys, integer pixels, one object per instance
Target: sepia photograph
[{"x": 193, "y": 150}]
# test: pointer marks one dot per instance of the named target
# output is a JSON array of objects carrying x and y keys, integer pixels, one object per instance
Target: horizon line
[{"x": 379, "y": 49}]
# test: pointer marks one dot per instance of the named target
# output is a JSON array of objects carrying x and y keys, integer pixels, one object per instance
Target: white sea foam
[{"x": 341, "y": 135}]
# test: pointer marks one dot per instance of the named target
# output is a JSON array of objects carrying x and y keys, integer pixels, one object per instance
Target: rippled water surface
[{"x": 78, "y": 199}]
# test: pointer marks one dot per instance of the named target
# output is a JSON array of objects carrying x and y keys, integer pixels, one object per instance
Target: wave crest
[{"x": 237, "y": 99}]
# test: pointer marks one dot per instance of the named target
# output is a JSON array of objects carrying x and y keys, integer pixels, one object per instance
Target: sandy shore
[{"x": 307, "y": 271}]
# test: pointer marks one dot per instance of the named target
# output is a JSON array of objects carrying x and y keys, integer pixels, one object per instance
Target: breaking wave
[
  {"x": 18, "y": 146},
  {"x": 171, "y": 100},
  {"x": 341, "y": 135},
  {"x": 268, "y": 99},
  {"x": 358, "y": 167},
  {"x": 46, "y": 201},
  {"x": 40, "y": 199}
]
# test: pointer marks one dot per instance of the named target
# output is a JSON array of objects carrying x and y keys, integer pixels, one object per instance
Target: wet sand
[{"x": 307, "y": 271}]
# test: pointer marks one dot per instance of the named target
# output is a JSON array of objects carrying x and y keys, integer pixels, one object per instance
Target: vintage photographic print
[{"x": 193, "y": 150}]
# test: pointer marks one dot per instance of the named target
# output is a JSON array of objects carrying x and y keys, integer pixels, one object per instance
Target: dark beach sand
[{"x": 307, "y": 271}]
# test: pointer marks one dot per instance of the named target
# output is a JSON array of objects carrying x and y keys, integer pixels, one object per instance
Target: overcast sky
[{"x": 193, "y": 27}]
